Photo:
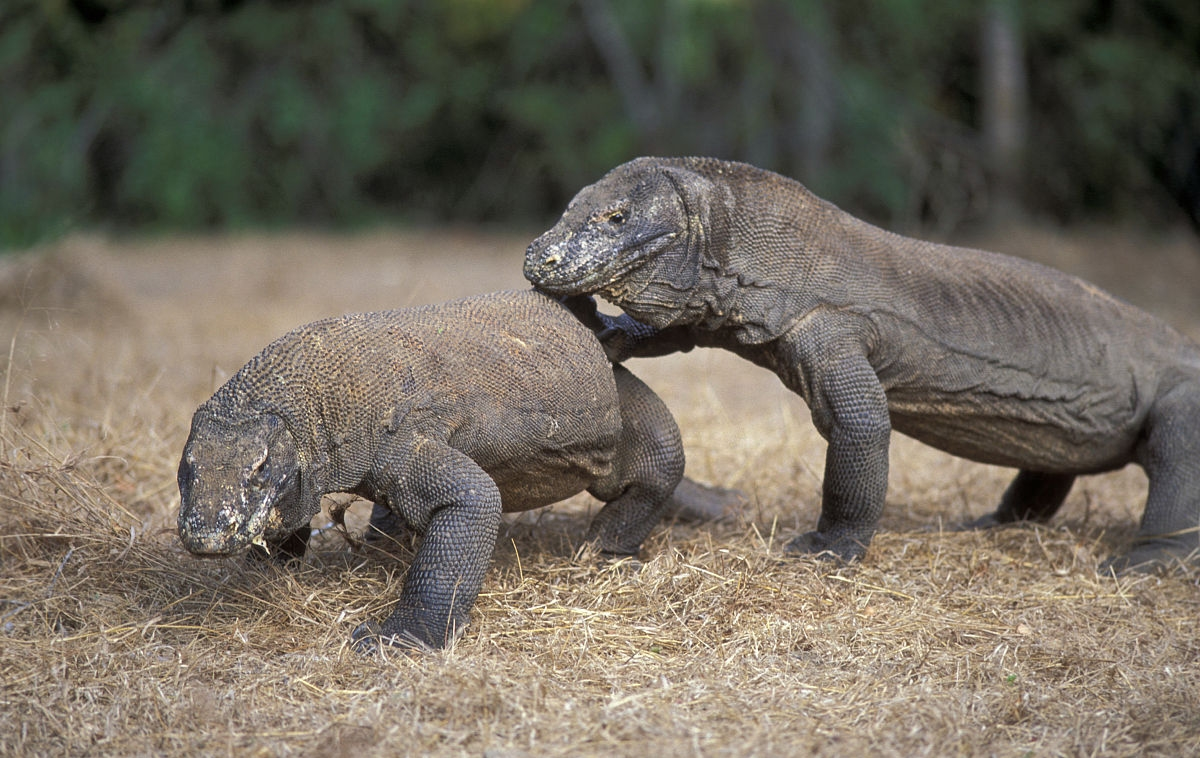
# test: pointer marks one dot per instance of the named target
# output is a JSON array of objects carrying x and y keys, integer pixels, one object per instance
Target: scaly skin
[
  {"x": 445, "y": 415},
  {"x": 985, "y": 356}
]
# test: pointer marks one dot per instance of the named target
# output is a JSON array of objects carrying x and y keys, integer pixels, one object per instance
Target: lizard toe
[
  {"x": 369, "y": 638},
  {"x": 1152, "y": 556},
  {"x": 988, "y": 521},
  {"x": 828, "y": 547},
  {"x": 365, "y": 638}
]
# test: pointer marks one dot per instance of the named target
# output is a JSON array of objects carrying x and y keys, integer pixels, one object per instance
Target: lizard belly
[
  {"x": 540, "y": 455},
  {"x": 1058, "y": 392},
  {"x": 1069, "y": 435},
  {"x": 554, "y": 478},
  {"x": 549, "y": 459}
]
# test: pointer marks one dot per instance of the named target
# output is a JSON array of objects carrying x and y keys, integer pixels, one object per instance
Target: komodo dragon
[
  {"x": 985, "y": 356},
  {"x": 446, "y": 415}
]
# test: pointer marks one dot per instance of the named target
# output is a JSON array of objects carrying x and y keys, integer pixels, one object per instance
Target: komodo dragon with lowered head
[
  {"x": 985, "y": 356},
  {"x": 444, "y": 416}
]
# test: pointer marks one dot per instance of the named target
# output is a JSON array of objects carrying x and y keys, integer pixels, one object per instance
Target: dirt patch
[{"x": 115, "y": 641}]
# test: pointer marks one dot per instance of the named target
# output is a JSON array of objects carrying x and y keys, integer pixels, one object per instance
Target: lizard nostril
[{"x": 551, "y": 260}]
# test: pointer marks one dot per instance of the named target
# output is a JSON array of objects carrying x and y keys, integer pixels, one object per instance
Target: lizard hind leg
[
  {"x": 646, "y": 470},
  {"x": 1170, "y": 455},
  {"x": 1032, "y": 496},
  {"x": 387, "y": 528}
]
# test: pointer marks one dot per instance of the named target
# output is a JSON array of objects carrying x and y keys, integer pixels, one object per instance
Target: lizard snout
[{"x": 543, "y": 265}]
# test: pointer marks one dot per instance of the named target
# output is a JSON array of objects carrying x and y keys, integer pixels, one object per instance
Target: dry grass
[{"x": 114, "y": 641}]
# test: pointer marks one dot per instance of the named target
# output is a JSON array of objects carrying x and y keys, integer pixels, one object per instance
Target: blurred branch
[
  {"x": 801, "y": 50},
  {"x": 1004, "y": 93}
]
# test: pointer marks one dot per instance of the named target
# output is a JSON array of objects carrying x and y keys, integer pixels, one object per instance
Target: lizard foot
[
  {"x": 618, "y": 562},
  {"x": 988, "y": 521},
  {"x": 590, "y": 552},
  {"x": 828, "y": 548},
  {"x": 1150, "y": 557},
  {"x": 369, "y": 639}
]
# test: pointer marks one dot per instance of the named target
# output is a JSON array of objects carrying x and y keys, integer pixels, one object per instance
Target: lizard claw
[
  {"x": 368, "y": 639},
  {"x": 365, "y": 638},
  {"x": 618, "y": 563},
  {"x": 618, "y": 342},
  {"x": 988, "y": 521},
  {"x": 824, "y": 547},
  {"x": 1152, "y": 556}
]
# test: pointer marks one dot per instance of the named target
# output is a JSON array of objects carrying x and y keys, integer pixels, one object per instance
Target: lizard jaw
[
  {"x": 243, "y": 520},
  {"x": 577, "y": 266},
  {"x": 230, "y": 533}
]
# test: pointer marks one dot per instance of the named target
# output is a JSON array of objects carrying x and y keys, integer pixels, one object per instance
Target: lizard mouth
[
  {"x": 216, "y": 542},
  {"x": 581, "y": 267},
  {"x": 227, "y": 533}
]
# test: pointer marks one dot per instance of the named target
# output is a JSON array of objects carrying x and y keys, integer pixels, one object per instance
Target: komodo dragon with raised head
[
  {"x": 984, "y": 356},
  {"x": 444, "y": 415}
]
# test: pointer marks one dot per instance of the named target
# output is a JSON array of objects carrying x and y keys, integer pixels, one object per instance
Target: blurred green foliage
[{"x": 197, "y": 114}]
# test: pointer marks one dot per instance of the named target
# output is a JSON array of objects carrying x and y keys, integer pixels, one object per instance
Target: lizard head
[
  {"x": 635, "y": 215},
  {"x": 233, "y": 478}
]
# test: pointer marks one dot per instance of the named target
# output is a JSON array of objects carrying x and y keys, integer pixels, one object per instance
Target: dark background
[{"x": 166, "y": 115}]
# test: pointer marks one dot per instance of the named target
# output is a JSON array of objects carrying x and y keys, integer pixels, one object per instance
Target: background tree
[
  {"x": 1005, "y": 101},
  {"x": 202, "y": 114}
]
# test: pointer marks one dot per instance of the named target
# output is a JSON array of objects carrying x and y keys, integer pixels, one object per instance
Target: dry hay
[{"x": 116, "y": 642}]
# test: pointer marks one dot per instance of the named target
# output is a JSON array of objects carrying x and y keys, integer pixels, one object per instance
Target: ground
[{"x": 115, "y": 641}]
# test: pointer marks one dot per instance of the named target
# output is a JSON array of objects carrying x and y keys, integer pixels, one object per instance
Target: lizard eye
[{"x": 613, "y": 217}]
